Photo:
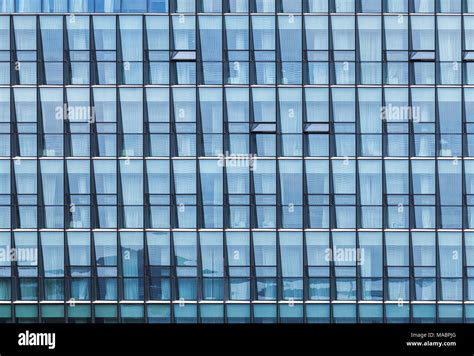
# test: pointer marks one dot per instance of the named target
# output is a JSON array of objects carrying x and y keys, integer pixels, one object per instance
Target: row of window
[
  {"x": 269, "y": 194},
  {"x": 254, "y": 52},
  {"x": 239, "y": 313},
  {"x": 236, "y": 73},
  {"x": 258, "y": 33},
  {"x": 163, "y": 6},
  {"x": 263, "y": 144},
  {"x": 206, "y": 110},
  {"x": 370, "y": 266}
]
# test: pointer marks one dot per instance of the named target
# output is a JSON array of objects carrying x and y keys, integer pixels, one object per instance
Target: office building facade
[{"x": 237, "y": 161}]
